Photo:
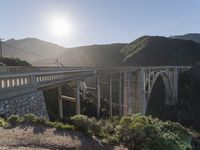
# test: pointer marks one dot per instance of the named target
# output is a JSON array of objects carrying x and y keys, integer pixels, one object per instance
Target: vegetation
[
  {"x": 137, "y": 131},
  {"x": 14, "y": 62},
  {"x": 31, "y": 119},
  {"x": 13, "y": 120},
  {"x": 134, "y": 131}
]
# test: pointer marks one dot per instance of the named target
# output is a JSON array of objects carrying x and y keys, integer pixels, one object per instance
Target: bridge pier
[
  {"x": 110, "y": 95},
  {"x": 60, "y": 105},
  {"x": 120, "y": 95},
  {"x": 98, "y": 96},
  {"x": 78, "y": 97}
]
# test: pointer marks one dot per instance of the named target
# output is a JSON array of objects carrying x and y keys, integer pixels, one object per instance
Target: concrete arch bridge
[{"x": 21, "y": 87}]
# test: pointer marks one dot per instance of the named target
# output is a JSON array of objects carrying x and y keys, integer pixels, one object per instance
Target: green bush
[
  {"x": 13, "y": 119},
  {"x": 142, "y": 132},
  {"x": 59, "y": 125},
  {"x": 41, "y": 121},
  {"x": 84, "y": 124},
  {"x": 2, "y": 122},
  {"x": 29, "y": 118}
]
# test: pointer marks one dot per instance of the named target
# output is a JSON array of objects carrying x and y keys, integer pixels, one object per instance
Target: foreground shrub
[
  {"x": 2, "y": 122},
  {"x": 13, "y": 120},
  {"x": 29, "y": 118},
  {"x": 41, "y": 121},
  {"x": 84, "y": 124},
  {"x": 142, "y": 132},
  {"x": 59, "y": 125}
]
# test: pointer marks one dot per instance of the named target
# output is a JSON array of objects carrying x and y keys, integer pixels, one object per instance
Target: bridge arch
[{"x": 170, "y": 89}]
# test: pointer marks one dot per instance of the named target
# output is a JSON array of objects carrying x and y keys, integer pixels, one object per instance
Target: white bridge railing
[{"x": 40, "y": 79}]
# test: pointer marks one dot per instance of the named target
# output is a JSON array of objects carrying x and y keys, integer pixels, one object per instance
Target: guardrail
[
  {"x": 26, "y": 69},
  {"x": 20, "y": 80}
]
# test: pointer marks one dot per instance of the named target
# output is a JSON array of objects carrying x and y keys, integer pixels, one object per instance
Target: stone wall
[{"x": 32, "y": 102}]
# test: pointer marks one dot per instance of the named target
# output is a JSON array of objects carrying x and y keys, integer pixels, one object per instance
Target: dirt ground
[{"x": 41, "y": 138}]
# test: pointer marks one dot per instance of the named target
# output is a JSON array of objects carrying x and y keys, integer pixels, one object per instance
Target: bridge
[{"x": 135, "y": 85}]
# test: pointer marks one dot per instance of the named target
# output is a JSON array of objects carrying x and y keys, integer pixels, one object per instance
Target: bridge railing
[
  {"x": 20, "y": 80},
  {"x": 26, "y": 69}
]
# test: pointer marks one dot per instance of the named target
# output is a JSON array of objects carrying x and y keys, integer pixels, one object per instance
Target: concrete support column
[
  {"x": 129, "y": 92},
  {"x": 176, "y": 79},
  {"x": 78, "y": 97},
  {"x": 120, "y": 94},
  {"x": 110, "y": 93},
  {"x": 141, "y": 92},
  {"x": 125, "y": 94},
  {"x": 98, "y": 97},
  {"x": 60, "y": 106}
]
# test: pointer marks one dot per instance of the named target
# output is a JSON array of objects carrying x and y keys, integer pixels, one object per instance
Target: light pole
[{"x": 1, "y": 48}]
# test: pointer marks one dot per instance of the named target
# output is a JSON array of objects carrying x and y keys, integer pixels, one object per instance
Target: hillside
[
  {"x": 42, "y": 53},
  {"x": 190, "y": 36},
  {"x": 93, "y": 55},
  {"x": 13, "y": 62},
  {"x": 156, "y": 50},
  {"x": 31, "y": 50}
]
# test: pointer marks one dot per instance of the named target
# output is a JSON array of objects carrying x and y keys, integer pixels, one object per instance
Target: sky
[{"x": 98, "y": 21}]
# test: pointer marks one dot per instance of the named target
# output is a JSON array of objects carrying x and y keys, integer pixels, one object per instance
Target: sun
[{"x": 60, "y": 26}]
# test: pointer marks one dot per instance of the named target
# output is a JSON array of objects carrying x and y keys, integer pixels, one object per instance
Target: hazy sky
[{"x": 98, "y": 21}]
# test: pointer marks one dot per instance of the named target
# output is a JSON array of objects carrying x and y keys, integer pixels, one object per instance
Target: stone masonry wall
[{"x": 27, "y": 103}]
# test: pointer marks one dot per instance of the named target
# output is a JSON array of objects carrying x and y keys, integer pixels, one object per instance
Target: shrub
[
  {"x": 59, "y": 125},
  {"x": 41, "y": 121},
  {"x": 84, "y": 124},
  {"x": 142, "y": 132},
  {"x": 105, "y": 128},
  {"x": 2, "y": 122},
  {"x": 13, "y": 119},
  {"x": 29, "y": 118}
]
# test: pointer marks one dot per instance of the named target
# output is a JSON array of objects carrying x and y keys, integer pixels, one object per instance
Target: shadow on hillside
[{"x": 37, "y": 129}]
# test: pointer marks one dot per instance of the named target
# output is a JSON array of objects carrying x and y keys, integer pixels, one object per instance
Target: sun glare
[{"x": 60, "y": 26}]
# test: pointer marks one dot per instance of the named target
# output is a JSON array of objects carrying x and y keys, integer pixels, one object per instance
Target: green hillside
[{"x": 158, "y": 51}]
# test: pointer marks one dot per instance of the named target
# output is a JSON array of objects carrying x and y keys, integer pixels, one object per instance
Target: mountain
[
  {"x": 31, "y": 50},
  {"x": 93, "y": 55},
  {"x": 190, "y": 36},
  {"x": 42, "y": 53},
  {"x": 144, "y": 51},
  {"x": 158, "y": 51}
]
